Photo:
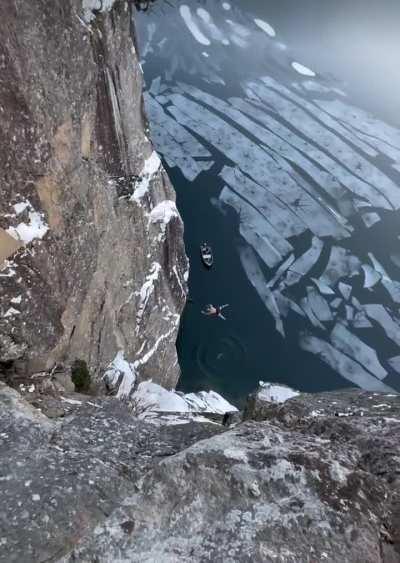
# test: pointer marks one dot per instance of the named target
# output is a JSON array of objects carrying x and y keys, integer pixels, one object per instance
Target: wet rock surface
[
  {"x": 83, "y": 262},
  {"x": 298, "y": 485}
]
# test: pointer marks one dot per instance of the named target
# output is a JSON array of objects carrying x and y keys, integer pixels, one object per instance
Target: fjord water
[{"x": 279, "y": 126}]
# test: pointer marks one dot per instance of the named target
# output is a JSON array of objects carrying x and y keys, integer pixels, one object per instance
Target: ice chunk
[
  {"x": 349, "y": 313},
  {"x": 352, "y": 346},
  {"x": 306, "y": 261},
  {"x": 335, "y": 303},
  {"x": 372, "y": 277},
  {"x": 345, "y": 366},
  {"x": 257, "y": 231},
  {"x": 370, "y": 219},
  {"x": 379, "y": 314},
  {"x": 395, "y": 363},
  {"x": 274, "y": 211},
  {"x": 256, "y": 277},
  {"x": 301, "y": 69},
  {"x": 266, "y": 27},
  {"x": 380, "y": 190},
  {"x": 392, "y": 287},
  {"x": 175, "y": 143},
  {"x": 306, "y": 306},
  {"x": 361, "y": 321},
  {"x": 395, "y": 258},
  {"x": 323, "y": 288},
  {"x": 281, "y": 270},
  {"x": 341, "y": 264},
  {"x": 319, "y": 306},
  {"x": 209, "y": 25},
  {"x": 373, "y": 131},
  {"x": 191, "y": 24},
  {"x": 345, "y": 290}
]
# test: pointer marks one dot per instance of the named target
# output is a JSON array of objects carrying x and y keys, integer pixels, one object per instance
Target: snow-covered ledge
[{"x": 275, "y": 392}]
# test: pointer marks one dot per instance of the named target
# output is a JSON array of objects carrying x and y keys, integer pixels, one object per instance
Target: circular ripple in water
[{"x": 219, "y": 356}]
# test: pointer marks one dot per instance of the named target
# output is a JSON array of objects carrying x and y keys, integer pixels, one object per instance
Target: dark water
[{"x": 353, "y": 50}]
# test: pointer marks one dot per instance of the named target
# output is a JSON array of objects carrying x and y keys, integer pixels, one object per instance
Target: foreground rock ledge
[{"x": 313, "y": 479}]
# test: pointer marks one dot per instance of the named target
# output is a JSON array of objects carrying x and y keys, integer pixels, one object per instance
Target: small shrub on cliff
[{"x": 80, "y": 376}]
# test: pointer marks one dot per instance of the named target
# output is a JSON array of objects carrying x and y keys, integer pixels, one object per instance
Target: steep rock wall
[{"x": 92, "y": 263}]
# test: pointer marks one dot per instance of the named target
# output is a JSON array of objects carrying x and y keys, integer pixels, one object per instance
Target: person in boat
[{"x": 212, "y": 311}]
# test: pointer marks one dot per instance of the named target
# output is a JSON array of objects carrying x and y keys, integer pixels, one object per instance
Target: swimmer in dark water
[{"x": 212, "y": 311}]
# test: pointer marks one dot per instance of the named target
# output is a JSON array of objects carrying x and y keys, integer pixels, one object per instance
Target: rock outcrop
[
  {"x": 60, "y": 477},
  {"x": 92, "y": 263},
  {"x": 316, "y": 480}
]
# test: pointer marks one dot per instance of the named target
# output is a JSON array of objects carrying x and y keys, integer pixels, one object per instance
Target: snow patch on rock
[
  {"x": 275, "y": 393},
  {"x": 120, "y": 372},
  {"x": 159, "y": 399},
  {"x": 150, "y": 168}
]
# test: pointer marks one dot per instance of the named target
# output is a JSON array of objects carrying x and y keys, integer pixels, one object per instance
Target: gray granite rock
[
  {"x": 86, "y": 269},
  {"x": 61, "y": 477},
  {"x": 300, "y": 485}
]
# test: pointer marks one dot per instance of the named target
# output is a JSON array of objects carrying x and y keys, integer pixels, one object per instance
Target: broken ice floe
[
  {"x": 266, "y": 27},
  {"x": 371, "y": 276},
  {"x": 338, "y": 361},
  {"x": 351, "y": 345},
  {"x": 301, "y": 69},
  {"x": 395, "y": 363},
  {"x": 256, "y": 277},
  {"x": 192, "y": 25},
  {"x": 379, "y": 314},
  {"x": 391, "y": 286},
  {"x": 305, "y": 262},
  {"x": 293, "y": 159}
]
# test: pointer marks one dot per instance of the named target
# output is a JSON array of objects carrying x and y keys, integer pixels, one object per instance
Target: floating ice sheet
[
  {"x": 304, "y": 264},
  {"x": 256, "y": 277},
  {"x": 348, "y": 368},
  {"x": 378, "y": 313},
  {"x": 352, "y": 346},
  {"x": 266, "y": 27},
  {"x": 371, "y": 276},
  {"x": 341, "y": 264},
  {"x": 192, "y": 25},
  {"x": 395, "y": 363},
  {"x": 301, "y": 69}
]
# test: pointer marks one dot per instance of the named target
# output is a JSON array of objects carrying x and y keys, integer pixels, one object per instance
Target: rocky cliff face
[
  {"x": 315, "y": 479},
  {"x": 92, "y": 264}
]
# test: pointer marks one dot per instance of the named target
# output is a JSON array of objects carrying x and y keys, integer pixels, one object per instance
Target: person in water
[{"x": 212, "y": 311}]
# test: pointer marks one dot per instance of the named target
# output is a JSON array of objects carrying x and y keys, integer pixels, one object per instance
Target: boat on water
[{"x": 206, "y": 254}]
